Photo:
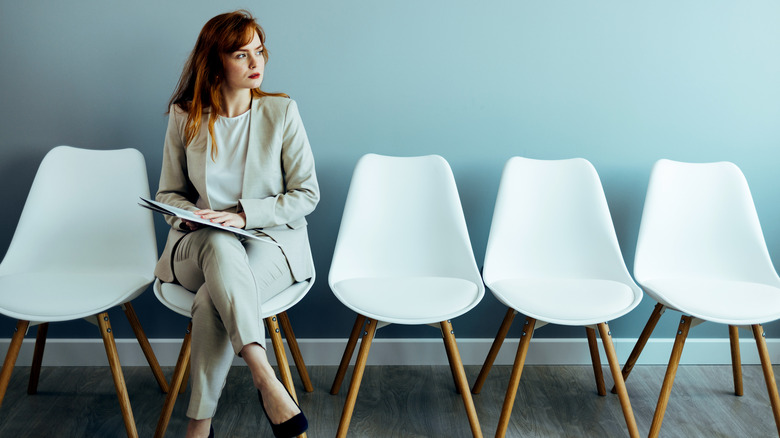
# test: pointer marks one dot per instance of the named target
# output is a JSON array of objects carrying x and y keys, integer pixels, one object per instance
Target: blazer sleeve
[
  {"x": 175, "y": 187},
  {"x": 301, "y": 192}
]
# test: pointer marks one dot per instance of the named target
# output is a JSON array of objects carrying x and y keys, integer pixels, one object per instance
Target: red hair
[{"x": 201, "y": 80}]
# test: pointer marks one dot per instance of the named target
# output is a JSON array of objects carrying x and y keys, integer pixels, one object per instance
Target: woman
[{"x": 239, "y": 157}]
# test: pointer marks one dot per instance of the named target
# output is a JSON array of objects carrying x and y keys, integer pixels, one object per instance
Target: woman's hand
[
  {"x": 237, "y": 220},
  {"x": 188, "y": 225}
]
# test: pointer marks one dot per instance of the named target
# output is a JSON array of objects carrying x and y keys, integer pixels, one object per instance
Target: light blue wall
[{"x": 621, "y": 83}]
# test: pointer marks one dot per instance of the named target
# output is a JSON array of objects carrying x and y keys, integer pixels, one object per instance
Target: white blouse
[{"x": 225, "y": 174}]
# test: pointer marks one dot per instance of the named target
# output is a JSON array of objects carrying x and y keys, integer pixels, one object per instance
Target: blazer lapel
[{"x": 197, "y": 158}]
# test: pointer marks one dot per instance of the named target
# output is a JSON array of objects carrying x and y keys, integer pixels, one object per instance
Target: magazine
[{"x": 170, "y": 210}]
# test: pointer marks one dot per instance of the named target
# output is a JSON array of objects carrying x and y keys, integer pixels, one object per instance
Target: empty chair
[
  {"x": 403, "y": 256},
  {"x": 701, "y": 252},
  {"x": 82, "y": 246},
  {"x": 180, "y": 300},
  {"x": 553, "y": 256}
]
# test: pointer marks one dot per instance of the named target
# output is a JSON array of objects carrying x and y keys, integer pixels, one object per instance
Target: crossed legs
[{"x": 232, "y": 278}]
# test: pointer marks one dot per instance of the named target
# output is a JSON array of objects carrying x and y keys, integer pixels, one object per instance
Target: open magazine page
[{"x": 170, "y": 210}]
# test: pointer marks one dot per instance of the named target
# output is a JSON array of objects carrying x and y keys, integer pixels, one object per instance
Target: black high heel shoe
[{"x": 290, "y": 428}]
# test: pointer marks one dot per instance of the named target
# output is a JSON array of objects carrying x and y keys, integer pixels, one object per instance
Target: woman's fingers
[{"x": 222, "y": 217}]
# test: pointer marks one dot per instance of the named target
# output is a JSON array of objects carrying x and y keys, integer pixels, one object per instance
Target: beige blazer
[{"x": 279, "y": 187}]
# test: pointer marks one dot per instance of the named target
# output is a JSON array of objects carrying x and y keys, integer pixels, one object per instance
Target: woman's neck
[{"x": 235, "y": 102}]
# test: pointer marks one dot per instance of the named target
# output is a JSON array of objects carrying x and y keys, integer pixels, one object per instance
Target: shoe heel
[{"x": 288, "y": 429}]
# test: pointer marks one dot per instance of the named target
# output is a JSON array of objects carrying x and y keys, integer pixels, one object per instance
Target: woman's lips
[{"x": 254, "y": 76}]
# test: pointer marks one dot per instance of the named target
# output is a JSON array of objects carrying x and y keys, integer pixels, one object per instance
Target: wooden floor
[{"x": 559, "y": 401}]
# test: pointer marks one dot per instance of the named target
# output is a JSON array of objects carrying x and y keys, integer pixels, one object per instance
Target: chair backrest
[
  {"x": 82, "y": 215},
  {"x": 403, "y": 218},
  {"x": 551, "y": 219},
  {"x": 699, "y": 220}
]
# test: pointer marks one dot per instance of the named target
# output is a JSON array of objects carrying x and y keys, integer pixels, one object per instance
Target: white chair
[
  {"x": 553, "y": 256},
  {"x": 701, "y": 252},
  {"x": 82, "y": 246},
  {"x": 179, "y": 299},
  {"x": 403, "y": 256}
]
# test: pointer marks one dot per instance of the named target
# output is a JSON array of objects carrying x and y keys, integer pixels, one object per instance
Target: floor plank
[{"x": 396, "y": 401}]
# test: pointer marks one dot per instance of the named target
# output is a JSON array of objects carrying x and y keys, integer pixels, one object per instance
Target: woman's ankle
[
  {"x": 263, "y": 374},
  {"x": 198, "y": 428}
]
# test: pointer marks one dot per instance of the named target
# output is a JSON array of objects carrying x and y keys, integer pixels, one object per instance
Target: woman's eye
[
  {"x": 260, "y": 52},
  {"x": 240, "y": 56}
]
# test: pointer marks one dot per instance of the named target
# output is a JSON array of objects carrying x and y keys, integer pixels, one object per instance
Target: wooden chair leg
[
  {"x": 177, "y": 383},
  {"x": 11, "y": 355},
  {"x": 671, "y": 371},
  {"x": 348, "y": 351},
  {"x": 658, "y": 310},
  {"x": 453, "y": 370},
  {"x": 769, "y": 375},
  {"x": 460, "y": 377},
  {"x": 274, "y": 331},
  {"x": 594, "y": 358},
  {"x": 357, "y": 377},
  {"x": 494, "y": 349},
  {"x": 186, "y": 378},
  {"x": 514, "y": 378},
  {"x": 40, "y": 345},
  {"x": 146, "y": 347},
  {"x": 295, "y": 351},
  {"x": 116, "y": 372},
  {"x": 614, "y": 365},
  {"x": 736, "y": 361},
  {"x": 281, "y": 358}
]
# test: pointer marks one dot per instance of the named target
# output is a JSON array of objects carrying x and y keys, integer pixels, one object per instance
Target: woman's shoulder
[
  {"x": 180, "y": 110},
  {"x": 276, "y": 106},
  {"x": 176, "y": 109},
  {"x": 275, "y": 102},
  {"x": 183, "y": 108}
]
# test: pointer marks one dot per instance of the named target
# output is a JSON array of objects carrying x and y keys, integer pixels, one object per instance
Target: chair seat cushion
[
  {"x": 566, "y": 301},
  {"x": 722, "y": 301},
  {"x": 408, "y": 300},
  {"x": 179, "y": 299},
  {"x": 64, "y": 296}
]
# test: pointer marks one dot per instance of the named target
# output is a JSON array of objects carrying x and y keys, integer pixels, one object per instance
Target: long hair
[{"x": 201, "y": 80}]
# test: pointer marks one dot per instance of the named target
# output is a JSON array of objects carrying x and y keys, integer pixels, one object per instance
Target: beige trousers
[{"x": 232, "y": 278}]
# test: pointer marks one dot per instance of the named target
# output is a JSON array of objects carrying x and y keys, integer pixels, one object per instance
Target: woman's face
[{"x": 244, "y": 68}]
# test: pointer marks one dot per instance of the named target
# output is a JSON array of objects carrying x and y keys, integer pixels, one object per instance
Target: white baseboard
[{"x": 90, "y": 352}]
